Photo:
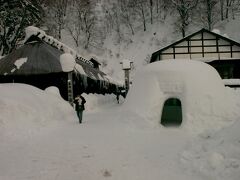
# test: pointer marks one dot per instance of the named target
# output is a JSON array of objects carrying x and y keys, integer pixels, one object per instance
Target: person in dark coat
[
  {"x": 79, "y": 102},
  {"x": 117, "y": 97}
]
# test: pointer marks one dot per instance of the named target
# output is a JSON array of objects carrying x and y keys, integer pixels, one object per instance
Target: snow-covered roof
[
  {"x": 34, "y": 31},
  {"x": 67, "y": 62},
  {"x": 232, "y": 82},
  {"x": 126, "y": 64}
]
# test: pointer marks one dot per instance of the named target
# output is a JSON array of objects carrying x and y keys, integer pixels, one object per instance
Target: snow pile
[
  {"x": 67, "y": 62},
  {"x": 26, "y": 110},
  {"x": 231, "y": 81},
  {"x": 126, "y": 64},
  {"x": 214, "y": 155},
  {"x": 32, "y": 30},
  {"x": 217, "y": 31},
  {"x": 206, "y": 103},
  {"x": 54, "y": 91}
]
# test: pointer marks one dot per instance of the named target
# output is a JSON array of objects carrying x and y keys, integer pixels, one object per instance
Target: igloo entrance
[{"x": 172, "y": 113}]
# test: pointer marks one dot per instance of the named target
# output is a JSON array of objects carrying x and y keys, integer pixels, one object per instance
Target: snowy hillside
[{"x": 139, "y": 47}]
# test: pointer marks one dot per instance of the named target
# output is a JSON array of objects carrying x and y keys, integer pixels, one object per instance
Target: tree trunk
[
  {"x": 221, "y": 10},
  {"x": 143, "y": 16},
  {"x": 59, "y": 32},
  {"x": 227, "y": 8},
  {"x": 151, "y": 11},
  {"x": 183, "y": 32},
  {"x": 209, "y": 15}
]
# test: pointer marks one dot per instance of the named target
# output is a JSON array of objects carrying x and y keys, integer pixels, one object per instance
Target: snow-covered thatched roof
[
  {"x": 33, "y": 32},
  {"x": 32, "y": 58},
  {"x": 42, "y": 54}
]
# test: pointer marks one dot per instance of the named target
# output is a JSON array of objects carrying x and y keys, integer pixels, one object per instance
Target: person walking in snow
[
  {"x": 79, "y": 102},
  {"x": 117, "y": 97}
]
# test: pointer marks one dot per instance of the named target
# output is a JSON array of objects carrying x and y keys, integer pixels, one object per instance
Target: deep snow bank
[
  {"x": 26, "y": 110},
  {"x": 214, "y": 155}
]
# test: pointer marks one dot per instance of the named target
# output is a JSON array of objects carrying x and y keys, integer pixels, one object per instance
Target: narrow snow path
[{"x": 104, "y": 146}]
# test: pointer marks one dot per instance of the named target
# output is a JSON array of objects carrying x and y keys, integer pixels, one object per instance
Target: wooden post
[
  {"x": 70, "y": 88},
  {"x": 127, "y": 81}
]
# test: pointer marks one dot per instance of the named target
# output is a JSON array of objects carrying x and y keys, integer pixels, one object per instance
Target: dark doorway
[{"x": 172, "y": 113}]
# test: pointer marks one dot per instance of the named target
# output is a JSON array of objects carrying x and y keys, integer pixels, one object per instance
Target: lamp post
[{"x": 126, "y": 66}]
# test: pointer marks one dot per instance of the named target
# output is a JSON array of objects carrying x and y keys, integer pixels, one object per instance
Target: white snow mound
[
  {"x": 26, "y": 110},
  {"x": 206, "y": 103},
  {"x": 67, "y": 62},
  {"x": 32, "y": 30}
]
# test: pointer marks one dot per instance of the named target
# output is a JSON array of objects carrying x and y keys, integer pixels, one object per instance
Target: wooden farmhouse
[
  {"x": 38, "y": 62},
  {"x": 219, "y": 51}
]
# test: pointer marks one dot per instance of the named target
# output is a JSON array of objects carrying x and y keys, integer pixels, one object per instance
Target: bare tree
[
  {"x": 162, "y": 7},
  {"x": 210, "y": 6},
  {"x": 74, "y": 25},
  {"x": 127, "y": 14},
  {"x": 81, "y": 23},
  {"x": 151, "y": 10},
  {"x": 235, "y": 8},
  {"x": 222, "y": 9},
  {"x": 207, "y": 12},
  {"x": 228, "y": 7},
  {"x": 14, "y": 17},
  {"x": 140, "y": 7},
  {"x": 57, "y": 10},
  {"x": 183, "y": 8}
]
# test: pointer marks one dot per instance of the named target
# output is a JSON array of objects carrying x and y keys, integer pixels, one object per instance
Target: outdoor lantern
[{"x": 126, "y": 66}]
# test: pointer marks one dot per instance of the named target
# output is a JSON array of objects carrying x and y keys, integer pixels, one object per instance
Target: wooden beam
[
  {"x": 217, "y": 47},
  {"x": 174, "y": 53},
  {"x": 206, "y": 52},
  {"x": 207, "y": 39},
  {"x": 189, "y": 49},
  {"x": 226, "y": 45},
  {"x": 202, "y": 44}
]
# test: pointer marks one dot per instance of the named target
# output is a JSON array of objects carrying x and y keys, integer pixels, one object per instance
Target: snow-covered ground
[{"x": 40, "y": 139}]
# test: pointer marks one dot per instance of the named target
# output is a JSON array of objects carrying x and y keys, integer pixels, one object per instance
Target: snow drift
[{"x": 26, "y": 110}]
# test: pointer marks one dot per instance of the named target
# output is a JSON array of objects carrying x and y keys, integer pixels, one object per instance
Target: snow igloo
[{"x": 183, "y": 93}]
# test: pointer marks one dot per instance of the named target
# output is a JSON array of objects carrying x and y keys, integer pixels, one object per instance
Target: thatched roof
[
  {"x": 42, "y": 55},
  {"x": 32, "y": 58},
  {"x": 38, "y": 57}
]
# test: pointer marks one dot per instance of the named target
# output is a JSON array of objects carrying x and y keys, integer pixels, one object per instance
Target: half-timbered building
[{"x": 217, "y": 50}]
